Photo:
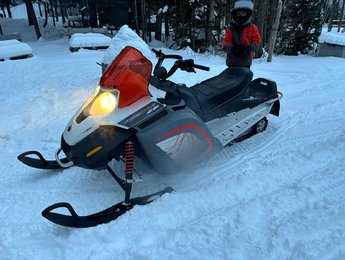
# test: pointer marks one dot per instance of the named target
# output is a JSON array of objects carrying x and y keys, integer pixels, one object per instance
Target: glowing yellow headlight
[
  {"x": 92, "y": 97},
  {"x": 104, "y": 103}
]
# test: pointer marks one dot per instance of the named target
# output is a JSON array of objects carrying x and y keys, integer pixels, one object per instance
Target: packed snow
[
  {"x": 125, "y": 37},
  {"x": 277, "y": 195}
]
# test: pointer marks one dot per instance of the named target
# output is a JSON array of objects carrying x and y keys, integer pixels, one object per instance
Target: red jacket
[{"x": 249, "y": 35}]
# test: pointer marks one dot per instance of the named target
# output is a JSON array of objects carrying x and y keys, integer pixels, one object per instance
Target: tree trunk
[
  {"x": 136, "y": 17},
  {"x": 63, "y": 13},
  {"x": 8, "y": 7},
  {"x": 40, "y": 8},
  {"x": 32, "y": 17},
  {"x": 159, "y": 19},
  {"x": 272, "y": 9},
  {"x": 92, "y": 13},
  {"x": 228, "y": 12},
  {"x": 274, "y": 31},
  {"x": 210, "y": 24},
  {"x": 166, "y": 25},
  {"x": 331, "y": 15},
  {"x": 143, "y": 21},
  {"x": 341, "y": 15},
  {"x": 148, "y": 20},
  {"x": 56, "y": 11},
  {"x": 53, "y": 13},
  {"x": 183, "y": 22},
  {"x": 3, "y": 10},
  {"x": 45, "y": 14},
  {"x": 29, "y": 11},
  {"x": 261, "y": 19}
]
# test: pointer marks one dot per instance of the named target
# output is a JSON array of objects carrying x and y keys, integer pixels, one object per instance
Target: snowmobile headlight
[
  {"x": 103, "y": 104},
  {"x": 92, "y": 97}
]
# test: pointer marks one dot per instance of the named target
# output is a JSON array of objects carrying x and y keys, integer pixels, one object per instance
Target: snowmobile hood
[{"x": 125, "y": 82}]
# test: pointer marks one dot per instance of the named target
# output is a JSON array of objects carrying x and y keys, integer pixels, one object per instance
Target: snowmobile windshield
[{"x": 129, "y": 73}]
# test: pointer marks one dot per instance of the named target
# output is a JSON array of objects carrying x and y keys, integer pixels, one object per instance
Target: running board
[{"x": 240, "y": 122}]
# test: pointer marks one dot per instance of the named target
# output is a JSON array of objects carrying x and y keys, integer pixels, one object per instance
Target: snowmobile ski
[
  {"x": 102, "y": 217},
  {"x": 40, "y": 162}
]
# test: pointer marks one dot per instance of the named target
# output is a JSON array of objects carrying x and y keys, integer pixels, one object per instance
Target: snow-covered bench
[
  {"x": 14, "y": 49},
  {"x": 91, "y": 41},
  {"x": 331, "y": 44},
  {"x": 73, "y": 30}
]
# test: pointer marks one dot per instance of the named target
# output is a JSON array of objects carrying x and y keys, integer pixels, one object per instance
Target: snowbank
[
  {"x": 89, "y": 40},
  {"x": 18, "y": 26},
  {"x": 14, "y": 48},
  {"x": 125, "y": 37},
  {"x": 333, "y": 37},
  {"x": 27, "y": 33}
]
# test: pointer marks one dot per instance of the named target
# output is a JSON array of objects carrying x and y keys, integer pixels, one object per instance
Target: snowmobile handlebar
[
  {"x": 161, "y": 56},
  {"x": 180, "y": 63}
]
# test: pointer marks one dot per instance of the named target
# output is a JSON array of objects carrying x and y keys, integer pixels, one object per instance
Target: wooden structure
[{"x": 329, "y": 49}]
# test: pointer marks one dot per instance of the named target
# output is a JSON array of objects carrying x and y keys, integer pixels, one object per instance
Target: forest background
[{"x": 199, "y": 24}]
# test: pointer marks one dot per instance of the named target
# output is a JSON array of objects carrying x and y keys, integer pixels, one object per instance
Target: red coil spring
[{"x": 129, "y": 157}]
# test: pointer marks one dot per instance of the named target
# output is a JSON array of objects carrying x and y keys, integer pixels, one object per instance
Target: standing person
[{"x": 242, "y": 38}]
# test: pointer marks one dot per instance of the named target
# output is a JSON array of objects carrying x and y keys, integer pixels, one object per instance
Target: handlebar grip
[
  {"x": 200, "y": 67},
  {"x": 159, "y": 53},
  {"x": 155, "y": 51}
]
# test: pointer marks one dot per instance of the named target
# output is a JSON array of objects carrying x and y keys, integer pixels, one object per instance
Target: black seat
[{"x": 215, "y": 91}]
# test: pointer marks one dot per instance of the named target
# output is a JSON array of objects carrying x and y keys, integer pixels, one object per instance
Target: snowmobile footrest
[
  {"x": 40, "y": 162},
  {"x": 102, "y": 217}
]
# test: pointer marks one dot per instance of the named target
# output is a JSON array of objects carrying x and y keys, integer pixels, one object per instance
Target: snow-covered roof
[
  {"x": 14, "y": 48},
  {"x": 88, "y": 40},
  {"x": 333, "y": 37},
  {"x": 125, "y": 37}
]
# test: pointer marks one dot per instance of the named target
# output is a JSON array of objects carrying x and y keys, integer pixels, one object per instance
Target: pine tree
[{"x": 300, "y": 26}]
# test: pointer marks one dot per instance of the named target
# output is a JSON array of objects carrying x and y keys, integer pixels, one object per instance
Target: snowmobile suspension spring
[{"x": 129, "y": 157}]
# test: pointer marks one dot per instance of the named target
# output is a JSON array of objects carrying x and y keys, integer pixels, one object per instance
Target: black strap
[{"x": 236, "y": 35}]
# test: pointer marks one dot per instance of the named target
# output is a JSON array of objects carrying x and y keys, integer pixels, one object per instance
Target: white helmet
[{"x": 242, "y": 5}]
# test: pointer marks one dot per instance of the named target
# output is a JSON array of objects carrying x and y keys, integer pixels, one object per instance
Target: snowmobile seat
[{"x": 222, "y": 88}]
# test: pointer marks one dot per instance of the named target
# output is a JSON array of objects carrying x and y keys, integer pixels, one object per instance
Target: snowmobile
[{"x": 122, "y": 122}]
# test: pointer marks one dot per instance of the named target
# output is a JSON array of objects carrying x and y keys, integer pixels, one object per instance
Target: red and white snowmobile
[{"x": 188, "y": 125}]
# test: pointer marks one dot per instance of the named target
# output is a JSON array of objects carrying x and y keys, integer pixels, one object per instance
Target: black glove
[
  {"x": 241, "y": 49},
  {"x": 248, "y": 49},
  {"x": 227, "y": 48}
]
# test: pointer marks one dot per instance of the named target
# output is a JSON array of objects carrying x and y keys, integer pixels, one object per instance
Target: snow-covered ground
[{"x": 277, "y": 195}]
